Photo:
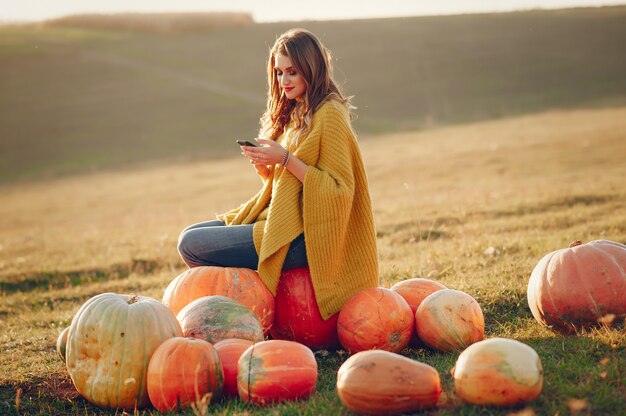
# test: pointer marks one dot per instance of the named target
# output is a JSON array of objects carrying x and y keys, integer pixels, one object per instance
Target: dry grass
[
  {"x": 524, "y": 186},
  {"x": 520, "y": 177}
]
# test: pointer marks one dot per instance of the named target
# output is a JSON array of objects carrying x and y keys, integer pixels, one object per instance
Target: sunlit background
[
  {"x": 276, "y": 10},
  {"x": 89, "y": 85}
]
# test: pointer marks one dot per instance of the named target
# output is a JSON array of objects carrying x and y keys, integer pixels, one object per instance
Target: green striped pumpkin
[{"x": 215, "y": 318}]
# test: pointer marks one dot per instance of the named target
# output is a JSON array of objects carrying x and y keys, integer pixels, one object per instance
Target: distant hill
[
  {"x": 153, "y": 22},
  {"x": 81, "y": 98}
]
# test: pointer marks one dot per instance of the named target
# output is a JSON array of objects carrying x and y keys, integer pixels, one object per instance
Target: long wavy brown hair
[{"x": 312, "y": 60}]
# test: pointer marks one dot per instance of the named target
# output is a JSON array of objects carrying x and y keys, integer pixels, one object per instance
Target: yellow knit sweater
[{"x": 331, "y": 206}]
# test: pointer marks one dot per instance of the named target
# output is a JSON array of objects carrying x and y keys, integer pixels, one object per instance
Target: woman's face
[{"x": 290, "y": 80}]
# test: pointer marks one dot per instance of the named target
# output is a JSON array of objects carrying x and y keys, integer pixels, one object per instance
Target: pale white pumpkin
[{"x": 110, "y": 342}]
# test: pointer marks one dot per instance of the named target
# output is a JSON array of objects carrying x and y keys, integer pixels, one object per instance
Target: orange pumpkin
[
  {"x": 181, "y": 372},
  {"x": 214, "y": 318},
  {"x": 229, "y": 351},
  {"x": 449, "y": 320},
  {"x": 297, "y": 316},
  {"x": 109, "y": 346},
  {"x": 242, "y": 285},
  {"x": 498, "y": 371},
  {"x": 575, "y": 287},
  {"x": 381, "y": 382},
  {"x": 375, "y": 318},
  {"x": 414, "y": 291},
  {"x": 275, "y": 371}
]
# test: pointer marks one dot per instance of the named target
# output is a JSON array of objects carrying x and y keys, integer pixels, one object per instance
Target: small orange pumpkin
[
  {"x": 62, "y": 343},
  {"x": 381, "y": 382},
  {"x": 240, "y": 284},
  {"x": 576, "y": 287},
  {"x": 375, "y": 318},
  {"x": 181, "y": 372},
  {"x": 449, "y": 320},
  {"x": 498, "y": 371},
  {"x": 275, "y": 371},
  {"x": 414, "y": 291},
  {"x": 230, "y": 350}
]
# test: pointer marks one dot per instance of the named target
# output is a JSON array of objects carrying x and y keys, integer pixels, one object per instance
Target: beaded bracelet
[{"x": 286, "y": 158}]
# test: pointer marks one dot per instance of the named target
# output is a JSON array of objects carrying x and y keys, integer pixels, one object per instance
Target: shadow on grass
[
  {"x": 503, "y": 308},
  {"x": 556, "y": 204},
  {"x": 60, "y": 279},
  {"x": 52, "y": 394},
  {"x": 414, "y": 231},
  {"x": 587, "y": 369}
]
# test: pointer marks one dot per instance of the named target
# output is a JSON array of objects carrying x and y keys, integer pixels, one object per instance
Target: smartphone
[{"x": 246, "y": 143}]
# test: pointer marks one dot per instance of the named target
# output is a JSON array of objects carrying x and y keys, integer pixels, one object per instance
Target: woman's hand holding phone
[
  {"x": 269, "y": 153},
  {"x": 261, "y": 169}
]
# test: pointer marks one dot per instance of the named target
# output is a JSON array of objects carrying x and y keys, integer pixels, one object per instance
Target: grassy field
[
  {"x": 524, "y": 185},
  {"x": 81, "y": 99}
]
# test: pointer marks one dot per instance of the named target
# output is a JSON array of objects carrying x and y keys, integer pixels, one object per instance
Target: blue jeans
[{"x": 212, "y": 243}]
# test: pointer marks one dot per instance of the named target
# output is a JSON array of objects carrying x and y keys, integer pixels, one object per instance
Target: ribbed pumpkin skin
[
  {"x": 242, "y": 285},
  {"x": 229, "y": 351},
  {"x": 449, "y": 320},
  {"x": 375, "y": 318},
  {"x": 297, "y": 317},
  {"x": 414, "y": 291},
  {"x": 275, "y": 371},
  {"x": 498, "y": 372},
  {"x": 180, "y": 368},
  {"x": 382, "y": 382},
  {"x": 214, "y": 318},
  {"x": 110, "y": 342},
  {"x": 62, "y": 343},
  {"x": 573, "y": 287}
]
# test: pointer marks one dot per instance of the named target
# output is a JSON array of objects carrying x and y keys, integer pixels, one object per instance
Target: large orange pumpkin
[
  {"x": 498, "y": 371},
  {"x": 574, "y": 287},
  {"x": 229, "y": 351},
  {"x": 414, "y": 291},
  {"x": 297, "y": 317},
  {"x": 449, "y": 320},
  {"x": 375, "y": 318},
  {"x": 109, "y": 346},
  {"x": 275, "y": 371},
  {"x": 181, "y": 372},
  {"x": 382, "y": 382},
  {"x": 214, "y": 318},
  {"x": 242, "y": 285}
]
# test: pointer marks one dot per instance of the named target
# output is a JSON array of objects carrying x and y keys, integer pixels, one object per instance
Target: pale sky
[{"x": 274, "y": 10}]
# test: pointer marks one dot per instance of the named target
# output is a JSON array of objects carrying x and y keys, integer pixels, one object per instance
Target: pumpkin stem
[
  {"x": 133, "y": 299},
  {"x": 575, "y": 243}
]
